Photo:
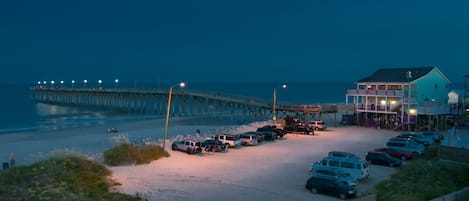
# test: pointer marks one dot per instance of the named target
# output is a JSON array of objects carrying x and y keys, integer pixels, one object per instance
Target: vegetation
[
  {"x": 126, "y": 154},
  {"x": 60, "y": 178},
  {"x": 424, "y": 179}
]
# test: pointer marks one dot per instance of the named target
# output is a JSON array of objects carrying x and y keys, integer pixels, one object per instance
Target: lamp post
[
  {"x": 73, "y": 83},
  {"x": 274, "y": 118},
  {"x": 52, "y": 83},
  {"x": 182, "y": 84},
  {"x": 99, "y": 84},
  {"x": 116, "y": 81},
  {"x": 84, "y": 83}
]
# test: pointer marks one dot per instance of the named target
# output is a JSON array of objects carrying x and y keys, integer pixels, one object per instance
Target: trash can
[{"x": 6, "y": 165}]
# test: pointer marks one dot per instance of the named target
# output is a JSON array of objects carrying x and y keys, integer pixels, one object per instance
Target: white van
[
  {"x": 355, "y": 166},
  {"x": 317, "y": 125}
]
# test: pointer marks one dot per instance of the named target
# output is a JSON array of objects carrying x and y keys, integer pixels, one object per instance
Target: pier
[{"x": 184, "y": 103}]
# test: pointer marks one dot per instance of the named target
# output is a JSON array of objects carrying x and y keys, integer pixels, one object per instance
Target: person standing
[{"x": 12, "y": 160}]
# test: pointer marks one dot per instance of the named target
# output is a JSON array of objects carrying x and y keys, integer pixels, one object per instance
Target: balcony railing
[{"x": 394, "y": 93}]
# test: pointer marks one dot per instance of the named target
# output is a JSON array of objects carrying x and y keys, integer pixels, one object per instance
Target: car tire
[
  {"x": 173, "y": 147},
  {"x": 342, "y": 196},
  {"x": 189, "y": 151},
  {"x": 314, "y": 190}
]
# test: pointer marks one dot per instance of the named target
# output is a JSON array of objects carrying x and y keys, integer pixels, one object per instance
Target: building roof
[{"x": 397, "y": 74}]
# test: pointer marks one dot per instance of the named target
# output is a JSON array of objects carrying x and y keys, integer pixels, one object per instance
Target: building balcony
[{"x": 371, "y": 92}]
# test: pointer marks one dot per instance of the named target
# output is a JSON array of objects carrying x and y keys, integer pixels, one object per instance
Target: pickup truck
[
  {"x": 188, "y": 146},
  {"x": 230, "y": 140}
]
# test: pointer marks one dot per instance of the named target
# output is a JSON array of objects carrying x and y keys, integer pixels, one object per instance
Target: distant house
[{"x": 413, "y": 98}]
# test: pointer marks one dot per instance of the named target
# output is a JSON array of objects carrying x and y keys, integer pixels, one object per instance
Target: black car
[
  {"x": 330, "y": 186},
  {"x": 273, "y": 128},
  {"x": 213, "y": 145},
  {"x": 382, "y": 158},
  {"x": 268, "y": 135}
]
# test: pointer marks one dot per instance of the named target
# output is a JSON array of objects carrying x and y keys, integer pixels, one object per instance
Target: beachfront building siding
[{"x": 396, "y": 97}]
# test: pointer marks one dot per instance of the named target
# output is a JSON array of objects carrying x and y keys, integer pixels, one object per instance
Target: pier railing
[{"x": 183, "y": 102}]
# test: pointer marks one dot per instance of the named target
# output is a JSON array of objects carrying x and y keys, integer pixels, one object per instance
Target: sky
[{"x": 229, "y": 41}]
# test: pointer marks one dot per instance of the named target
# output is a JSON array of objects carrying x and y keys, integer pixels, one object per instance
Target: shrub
[
  {"x": 62, "y": 178},
  {"x": 423, "y": 180},
  {"x": 125, "y": 154}
]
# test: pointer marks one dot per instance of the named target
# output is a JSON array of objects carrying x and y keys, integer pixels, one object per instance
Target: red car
[{"x": 403, "y": 155}]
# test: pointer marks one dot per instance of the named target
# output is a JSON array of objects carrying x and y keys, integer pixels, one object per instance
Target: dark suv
[
  {"x": 330, "y": 186},
  {"x": 381, "y": 158}
]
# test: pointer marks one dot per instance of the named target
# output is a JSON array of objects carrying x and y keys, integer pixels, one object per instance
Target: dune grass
[
  {"x": 424, "y": 179},
  {"x": 129, "y": 154},
  {"x": 72, "y": 178}
]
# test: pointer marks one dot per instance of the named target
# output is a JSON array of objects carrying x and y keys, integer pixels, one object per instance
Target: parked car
[
  {"x": 188, "y": 146},
  {"x": 356, "y": 167},
  {"x": 335, "y": 173},
  {"x": 330, "y": 186},
  {"x": 317, "y": 125},
  {"x": 260, "y": 135},
  {"x": 435, "y": 135},
  {"x": 213, "y": 145},
  {"x": 273, "y": 128},
  {"x": 230, "y": 140},
  {"x": 295, "y": 128},
  {"x": 269, "y": 135},
  {"x": 399, "y": 154},
  {"x": 419, "y": 138},
  {"x": 382, "y": 158},
  {"x": 342, "y": 154},
  {"x": 411, "y": 140},
  {"x": 404, "y": 146},
  {"x": 249, "y": 139}
]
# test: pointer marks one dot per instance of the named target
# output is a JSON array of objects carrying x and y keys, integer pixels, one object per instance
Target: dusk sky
[{"x": 216, "y": 40}]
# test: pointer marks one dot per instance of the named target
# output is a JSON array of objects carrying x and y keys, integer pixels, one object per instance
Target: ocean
[{"x": 20, "y": 113}]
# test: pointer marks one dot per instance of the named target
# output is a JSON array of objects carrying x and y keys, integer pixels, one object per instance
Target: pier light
[
  {"x": 181, "y": 84},
  {"x": 274, "y": 111},
  {"x": 44, "y": 82},
  {"x": 116, "y": 81},
  {"x": 39, "y": 82},
  {"x": 61, "y": 83},
  {"x": 84, "y": 82},
  {"x": 73, "y": 83}
]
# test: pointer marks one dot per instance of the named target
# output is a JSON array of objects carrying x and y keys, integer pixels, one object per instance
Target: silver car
[{"x": 336, "y": 173}]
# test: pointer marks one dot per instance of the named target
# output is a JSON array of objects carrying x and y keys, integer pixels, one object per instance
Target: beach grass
[
  {"x": 130, "y": 154},
  {"x": 60, "y": 178},
  {"x": 424, "y": 179}
]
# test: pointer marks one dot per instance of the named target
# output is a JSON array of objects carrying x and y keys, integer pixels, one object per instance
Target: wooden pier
[{"x": 184, "y": 103}]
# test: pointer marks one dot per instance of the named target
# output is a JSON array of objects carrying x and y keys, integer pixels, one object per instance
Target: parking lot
[{"x": 274, "y": 170}]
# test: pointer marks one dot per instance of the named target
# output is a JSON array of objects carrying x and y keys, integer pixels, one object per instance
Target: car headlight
[{"x": 351, "y": 192}]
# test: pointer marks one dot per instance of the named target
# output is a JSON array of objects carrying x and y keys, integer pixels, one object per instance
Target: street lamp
[
  {"x": 61, "y": 84},
  {"x": 99, "y": 84},
  {"x": 116, "y": 81},
  {"x": 73, "y": 83},
  {"x": 52, "y": 83},
  {"x": 84, "y": 83},
  {"x": 182, "y": 84},
  {"x": 275, "y": 103}
]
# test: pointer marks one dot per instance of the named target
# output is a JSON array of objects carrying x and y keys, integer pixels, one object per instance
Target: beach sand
[
  {"x": 271, "y": 171},
  {"x": 274, "y": 170}
]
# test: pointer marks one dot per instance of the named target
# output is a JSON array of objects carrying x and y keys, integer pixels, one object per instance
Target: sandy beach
[
  {"x": 270, "y": 171},
  {"x": 274, "y": 170}
]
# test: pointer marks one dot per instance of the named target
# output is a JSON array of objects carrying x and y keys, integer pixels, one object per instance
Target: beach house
[{"x": 401, "y": 98}]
